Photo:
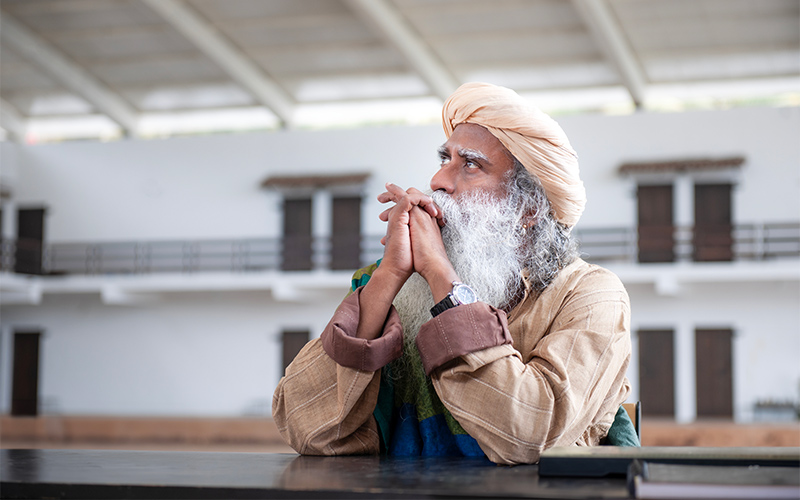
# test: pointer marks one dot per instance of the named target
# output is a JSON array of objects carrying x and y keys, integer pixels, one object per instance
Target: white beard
[{"x": 482, "y": 237}]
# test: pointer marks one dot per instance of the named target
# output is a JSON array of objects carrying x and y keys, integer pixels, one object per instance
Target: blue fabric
[{"x": 430, "y": 437}]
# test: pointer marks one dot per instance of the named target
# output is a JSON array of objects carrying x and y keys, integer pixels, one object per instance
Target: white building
[{"x": 166, "y": 296}]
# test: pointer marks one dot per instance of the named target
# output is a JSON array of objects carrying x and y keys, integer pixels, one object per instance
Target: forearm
[{"x": 376, "y": 302}]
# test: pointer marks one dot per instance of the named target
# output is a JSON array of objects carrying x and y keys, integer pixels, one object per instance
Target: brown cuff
[
  {"x": 340, "y": 342},
  {"x": 461, "y": 330}
]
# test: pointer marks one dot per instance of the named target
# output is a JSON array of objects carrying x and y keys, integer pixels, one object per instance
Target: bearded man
[{"x": 480, "y": 331}]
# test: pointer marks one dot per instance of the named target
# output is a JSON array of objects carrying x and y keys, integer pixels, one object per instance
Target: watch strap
[{"x": 446, "y": 303}]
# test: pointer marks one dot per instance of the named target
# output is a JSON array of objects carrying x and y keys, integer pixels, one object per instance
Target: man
[{"x": 480, "y": 331}]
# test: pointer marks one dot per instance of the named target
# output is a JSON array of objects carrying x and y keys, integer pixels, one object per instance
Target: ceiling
[{"x": 78, "y": 69}]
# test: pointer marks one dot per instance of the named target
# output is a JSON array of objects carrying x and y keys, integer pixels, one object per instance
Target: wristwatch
[{"x": 461, "y": 294}]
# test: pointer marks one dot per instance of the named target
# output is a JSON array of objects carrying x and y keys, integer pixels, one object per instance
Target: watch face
[{"x": 464, "y": 294}]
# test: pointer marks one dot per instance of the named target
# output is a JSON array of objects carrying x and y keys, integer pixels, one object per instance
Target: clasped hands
[{"x": 413, "y": 239}]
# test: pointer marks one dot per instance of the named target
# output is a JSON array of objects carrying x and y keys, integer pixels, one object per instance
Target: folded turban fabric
[{"x": 535, "y": 139}]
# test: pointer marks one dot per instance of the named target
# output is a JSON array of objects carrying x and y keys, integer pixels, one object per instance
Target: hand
[
  {"x": 397, "y": 256},
  {"x": 395, "y": 193},
  {"x": 429, "y": 255}
]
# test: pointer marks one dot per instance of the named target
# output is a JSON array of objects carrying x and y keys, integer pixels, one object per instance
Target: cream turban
[{"x": 534, "y": 138}]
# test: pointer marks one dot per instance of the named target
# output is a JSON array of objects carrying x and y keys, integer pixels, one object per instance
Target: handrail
[{"x": 748, "y": 242}]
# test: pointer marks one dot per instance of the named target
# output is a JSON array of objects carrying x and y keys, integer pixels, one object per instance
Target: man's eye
[
  {"x": 471, "y": 164},
  {"x": 444, "y": 160}
]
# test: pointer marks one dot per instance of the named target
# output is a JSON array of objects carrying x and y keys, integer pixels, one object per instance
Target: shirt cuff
[
  {"x": 340, "y": 342},
  {"x": 461, "y": 330}
]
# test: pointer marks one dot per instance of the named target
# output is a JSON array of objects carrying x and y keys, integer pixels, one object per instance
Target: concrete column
[
  {"x": 321, "y": 213},
  {"x": 683, "y": 209},
  {"x": 685, "y": 389},
  {"x": 9, "y": 220},
  {"x": 683, "y": 215}
]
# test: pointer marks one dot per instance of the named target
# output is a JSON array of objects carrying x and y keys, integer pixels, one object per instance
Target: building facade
[{"x": 178, "y": 277}]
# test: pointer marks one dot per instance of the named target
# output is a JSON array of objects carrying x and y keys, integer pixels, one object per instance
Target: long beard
[{"x": 483, "y": 237}]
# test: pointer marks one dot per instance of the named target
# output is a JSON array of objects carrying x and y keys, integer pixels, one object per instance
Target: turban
[{"x": 535, "y": 139}]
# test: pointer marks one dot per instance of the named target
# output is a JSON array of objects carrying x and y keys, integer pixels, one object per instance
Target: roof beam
[
  {"x": 11, "y": 121},
  {"x": 418, "y": 54},
  {"x": 232, "y": 60},
  {"x": 606, "y": 31},
  {"x": 68, "y": 73}
]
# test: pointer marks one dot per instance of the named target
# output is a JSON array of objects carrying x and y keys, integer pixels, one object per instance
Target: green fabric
[
  {"x": 362, "y": 276},
  {"x": 412, "y": 386},
  {"x": 622, "y": 431}
]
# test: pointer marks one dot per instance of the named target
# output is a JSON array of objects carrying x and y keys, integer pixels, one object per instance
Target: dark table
[{"x": 152, "y": 474}]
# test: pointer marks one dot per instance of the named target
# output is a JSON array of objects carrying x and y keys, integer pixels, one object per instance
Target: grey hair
[{"x": 551, "y": 244}]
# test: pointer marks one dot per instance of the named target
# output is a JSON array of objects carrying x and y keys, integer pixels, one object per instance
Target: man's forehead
[{"x": 471, "y": 136}]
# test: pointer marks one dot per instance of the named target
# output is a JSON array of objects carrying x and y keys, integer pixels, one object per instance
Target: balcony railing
[
  {"x": 742, "y": 242},
  {"x": 748, "y": 242}
]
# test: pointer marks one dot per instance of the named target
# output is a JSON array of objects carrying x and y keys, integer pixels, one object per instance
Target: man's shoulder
[{"x": 581, "y": 274}]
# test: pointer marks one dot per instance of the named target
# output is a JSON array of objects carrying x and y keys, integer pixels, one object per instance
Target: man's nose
[{"x": 444, "y": 180}]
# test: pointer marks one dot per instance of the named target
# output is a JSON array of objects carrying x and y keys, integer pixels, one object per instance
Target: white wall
[
  {"x": 765, "y": 319},
  {"x": 205, "y": 187},
  {"x": 208, "y": 187},
  {"x": 767, "y": 138},
  {"x": 192, "y": 354},
  {"x": 203, "y": 353}
]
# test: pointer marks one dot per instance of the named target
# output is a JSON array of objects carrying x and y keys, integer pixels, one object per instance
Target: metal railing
[
  {"x": 744, "y": 242},
  {"x": 748, "y": 242}
]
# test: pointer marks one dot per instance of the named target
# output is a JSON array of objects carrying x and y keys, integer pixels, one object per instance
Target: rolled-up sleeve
[
  {"x": 459, "y": 331},
  {"x": 341, "y": 344}
]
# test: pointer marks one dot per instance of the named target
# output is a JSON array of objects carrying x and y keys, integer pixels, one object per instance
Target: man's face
[{"x": 472, "y": 158}]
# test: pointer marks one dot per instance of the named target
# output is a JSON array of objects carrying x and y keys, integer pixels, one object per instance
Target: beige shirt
[{"x": 559, "y": 383}]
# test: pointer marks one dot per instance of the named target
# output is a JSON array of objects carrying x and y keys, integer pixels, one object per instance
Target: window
[
  {"x": 30, "y": 236},
  {"x": 297, "y": 239},
  {"x": 25, "y": 377},
  {"x": 346, "y": 234},
  {"x": 684, "y": 208},
  {"x": 714, "y": 369},
  {"x": 655, "y": 224},
  {"x": 713, "y": 240},
  {"x": 656, "y": 373},
  {"x": 321, "y": 220}
]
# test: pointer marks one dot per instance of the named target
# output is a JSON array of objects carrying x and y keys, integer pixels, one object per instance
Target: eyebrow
[
  {"x": 466, "y": 153},
  {"x": 473, "y": 154}
]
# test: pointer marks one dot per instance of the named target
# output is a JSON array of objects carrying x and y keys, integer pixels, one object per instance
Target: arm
[
  {"x": 324, "y": 404},
  {"x": 567, "y": 391}
]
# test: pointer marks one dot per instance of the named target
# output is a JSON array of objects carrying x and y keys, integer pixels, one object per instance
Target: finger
[
  {"x": 424, "y": 201},
  {"x": 386, "y": 197},
  {"x": 393, "y": 193},
  {"x": 384, "y": 216},
  {"x": 395, "y": 190},
  {"x": 420, "y": 215}
]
